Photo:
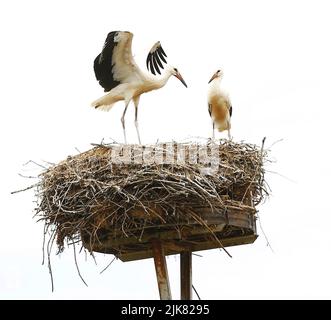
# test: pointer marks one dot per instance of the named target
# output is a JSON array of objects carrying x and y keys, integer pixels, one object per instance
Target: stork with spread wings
[{"x": 122, "y": 79}]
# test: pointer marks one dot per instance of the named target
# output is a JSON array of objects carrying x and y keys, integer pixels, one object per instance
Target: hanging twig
[
  {"x": 25, "y": 189},
  {"x": 196, "y": 292},
  {"x": 264, "y": 234},
  {"x": 77, "y": 265},
  {"x": 108, "y": 265}
]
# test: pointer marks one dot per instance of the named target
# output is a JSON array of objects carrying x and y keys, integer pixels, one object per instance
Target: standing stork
[
  {"x": 119, "y": 75},
  {"x": 219, "y": 105}
]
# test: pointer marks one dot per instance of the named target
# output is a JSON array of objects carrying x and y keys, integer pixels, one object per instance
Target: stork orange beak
[
  {"x": 179, "y": 76},
  {"x": 213, "y": 77}
]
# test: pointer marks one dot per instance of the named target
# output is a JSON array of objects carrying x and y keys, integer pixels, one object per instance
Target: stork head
[
  {"x": 175, "y": 72},
  {"x": 218, "y": 74}
]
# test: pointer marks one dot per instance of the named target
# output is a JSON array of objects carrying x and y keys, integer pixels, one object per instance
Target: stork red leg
[
  {"x": 123, "y": 120},
  {"x": 229, "y": 133},
  {"x": 136, "y": 102}
]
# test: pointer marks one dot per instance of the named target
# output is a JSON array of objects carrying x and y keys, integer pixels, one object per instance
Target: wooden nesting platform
[
  {"x": 139, "y": 202},
  {"x": 118, "y": 198},
  {"x": 214, "y": 230}
]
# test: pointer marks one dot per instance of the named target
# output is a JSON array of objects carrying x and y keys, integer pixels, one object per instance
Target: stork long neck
[
  {"x": 215, "y": 87},
  {"x": 163, "y": 81}
]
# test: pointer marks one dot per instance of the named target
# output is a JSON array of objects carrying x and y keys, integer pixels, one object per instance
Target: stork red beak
[
  {"x": 213, "y": 77},
  {"x": 179, "y": 76}
]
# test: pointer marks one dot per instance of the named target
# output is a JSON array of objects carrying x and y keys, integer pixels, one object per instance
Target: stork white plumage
[
  {"x": 118, "y": 73},
  {"x": 219, "y": 105}
]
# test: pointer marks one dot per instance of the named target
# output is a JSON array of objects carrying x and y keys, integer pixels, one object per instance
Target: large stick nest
[{"x": 92, "y": 195}]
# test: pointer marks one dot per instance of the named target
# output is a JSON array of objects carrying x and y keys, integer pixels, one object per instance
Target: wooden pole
[
  {"x": 161, "y": 270},
  {"x": 186, "y": 275}
]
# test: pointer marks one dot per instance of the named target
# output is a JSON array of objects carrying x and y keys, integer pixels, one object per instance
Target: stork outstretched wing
[
  {"x": 155, "y": 55},
  {"x": 115, "y": 64}
]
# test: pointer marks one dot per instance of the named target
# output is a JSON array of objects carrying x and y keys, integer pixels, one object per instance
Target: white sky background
[{"x": 276, "y": 61}]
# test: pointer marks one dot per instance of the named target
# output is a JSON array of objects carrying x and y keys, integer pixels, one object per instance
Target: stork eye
[
  {"x": 218, "y": 71},
  {"x": 175, "y": 69}
]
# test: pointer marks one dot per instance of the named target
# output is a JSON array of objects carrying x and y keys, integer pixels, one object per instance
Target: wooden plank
[
  {"x": 240, "y": 220},
  {"x": 226, "y": 242},
  {"x": 176, "y": 246},
  {"x": 159, "y": 234},
  {"x": 186, "y": 275},
  {"x": 234, "y": 241},
  {"x": 178, "y": 240},
  {"x": 161, "y": 270}
]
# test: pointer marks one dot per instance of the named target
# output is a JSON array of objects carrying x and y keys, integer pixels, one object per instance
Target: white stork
[
  {"x": 219, "y": 105},
  {"x": 119, "y": 75}
]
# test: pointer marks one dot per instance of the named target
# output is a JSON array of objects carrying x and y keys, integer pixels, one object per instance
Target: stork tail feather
[{"x": 105, "y": 103}]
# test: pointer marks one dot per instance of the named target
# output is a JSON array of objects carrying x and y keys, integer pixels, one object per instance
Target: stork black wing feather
[
  {"x": 148, "y": 60},
  {"x": 162, "y": 51},
  {"x": 103, "y": 64},
  {"x": 151, "y": 65},
  {"x": 162, "y": 57},
  {"x": 155, "y": 59},
  {"x": 155, "y": 63},
  {"x": 230, "y": 110},
  {"x": 159, "y": 62}
]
